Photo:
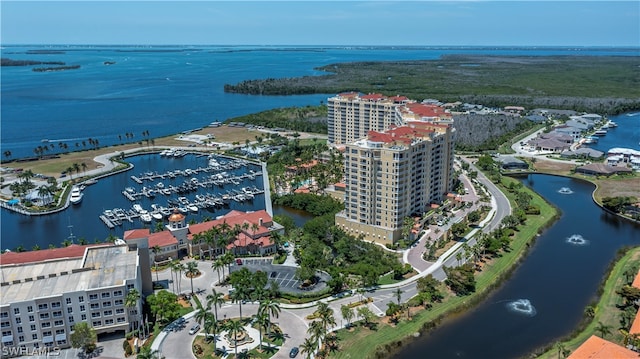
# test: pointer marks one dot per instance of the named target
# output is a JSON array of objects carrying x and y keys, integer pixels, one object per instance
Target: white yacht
[
  {"x": 76, "y": 195},
  {"x": 145, "y": 217}
]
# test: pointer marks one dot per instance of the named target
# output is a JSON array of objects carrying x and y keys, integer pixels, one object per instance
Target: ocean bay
[{"x": 167, "y": 90}]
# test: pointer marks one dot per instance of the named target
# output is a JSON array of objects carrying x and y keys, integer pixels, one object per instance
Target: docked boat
[
  {"x": 600, "y": 132},
  {"x": 76, "y": 195},
  {"x": 192, "y": 208},
  {"x": 145, "y": 217},
  {"x": 612, "y": 124},
  {"x": 138, "y": 208}
]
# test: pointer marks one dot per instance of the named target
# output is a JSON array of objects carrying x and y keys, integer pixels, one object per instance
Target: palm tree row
[{"x": 210, "y": 320}]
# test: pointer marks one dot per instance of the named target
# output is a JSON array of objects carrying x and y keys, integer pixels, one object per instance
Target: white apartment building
[
  {"x": 46, "y": 292},
  {"x": 398, "y": 160},
  {"x": 351, "y": 115},
  {"x": 394, "y": 174}
]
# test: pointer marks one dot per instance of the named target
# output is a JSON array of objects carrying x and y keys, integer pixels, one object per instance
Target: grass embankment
[
  {"x": 365, "y": 343},
  {"x": 606, "y": 310}
]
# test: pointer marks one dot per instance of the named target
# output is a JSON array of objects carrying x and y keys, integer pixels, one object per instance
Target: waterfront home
[
  {"x": 574, "y": 132},
  {"x": 581, "y": 125},
  {"x": 511, "y": 163},
  {"x": 601, "y": 169},
  {"x": 547, "y": 145},
  {"x": 583, "y": 152}
]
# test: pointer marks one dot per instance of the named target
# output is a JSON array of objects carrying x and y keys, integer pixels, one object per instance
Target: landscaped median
[{"x": 366, "y": 343}]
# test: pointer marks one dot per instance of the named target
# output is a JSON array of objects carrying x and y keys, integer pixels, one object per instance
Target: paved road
[{"x": 293, "y": 325}]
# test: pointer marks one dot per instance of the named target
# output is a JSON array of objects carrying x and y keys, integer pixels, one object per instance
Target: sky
[{"x": 400, "y": 23}]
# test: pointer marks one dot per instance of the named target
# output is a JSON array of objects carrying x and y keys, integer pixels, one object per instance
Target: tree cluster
[
  {"x": 461, "y": 279},
  {"x": 303, "y": 119},
  {"x": 487, "y": 132}
]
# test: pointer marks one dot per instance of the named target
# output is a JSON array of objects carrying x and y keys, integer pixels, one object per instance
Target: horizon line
[{"x": 325, "y": 45}]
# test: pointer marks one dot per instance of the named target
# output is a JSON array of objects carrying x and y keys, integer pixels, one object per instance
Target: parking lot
[{"x": 284, "y": 276}]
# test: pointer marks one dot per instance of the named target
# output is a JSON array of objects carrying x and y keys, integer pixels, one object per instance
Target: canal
[{"x": 545, "y": 297}]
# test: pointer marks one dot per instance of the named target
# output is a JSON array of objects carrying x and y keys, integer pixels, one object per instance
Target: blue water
[
  {"x": 626, "y": 135},
  {"x": 166, "y": 90},
  {"x": 554, "y": 283},
  {"x": 28, "y": 231}
]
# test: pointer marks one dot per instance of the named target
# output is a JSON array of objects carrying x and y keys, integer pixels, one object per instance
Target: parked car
[
  {"x": 294, "y": 351},
  {"x": 194, "y": 329}
]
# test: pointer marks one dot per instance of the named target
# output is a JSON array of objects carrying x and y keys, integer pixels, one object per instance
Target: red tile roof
[
  {"x": 636, "y": 281},
  {"x": 136, "y": 234},
  {"x": 424, "y": 110},
  {"x": 242, "y": 240},
  {"x": 598, "y": 348},
  {"x": 348, "y": 94},
  {"x": 404, "y": 134},
  {"x": 303, "y": 189},
  {"x": 162, "y": 239},
  {"x": 398, "y": 99},
  {"x": 72, "y": 251},
  {"x": 232, "y": 218},
  {"x": 307, "y": 165},
  {"x": 373, "y": 97},
  {"x": 340, "y": 185}
]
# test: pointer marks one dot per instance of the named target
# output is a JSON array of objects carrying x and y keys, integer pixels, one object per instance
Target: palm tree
[
  {"x": 308, "y": 347},
  {"x": 235, "y": 327},
  {"x": 131, "y": 301},
  {"x": 326, "y": 315},
  {"x": 201, "y": 315},
  {"x": 398, "y": 293},
  {"x": 180, "y": 268},
  {"x": 192, "y": 271},
  {"x": 156, "y": 249},
  {"x": 147, "y": 353},
  {"x": 316, "y": 331},
  {"x": 76, "y": 167},
  {"x": 603, "y": 329},
  {"x": 262, "y": 321},
  {"x": 347, "y": 314},
  {"x": 239, "y": 295},
  {"x": 590, "y": 311},
  {"x": 211, "y": 326},
  {"x": 217, "y": 265},
  {"x": 43, "y": 192},
  {"x": 173, "y": 266},
  {"x": 561, "y": 350},
  {"x": 270, "y": 307},
  {"x": 215, "y": 300}
]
